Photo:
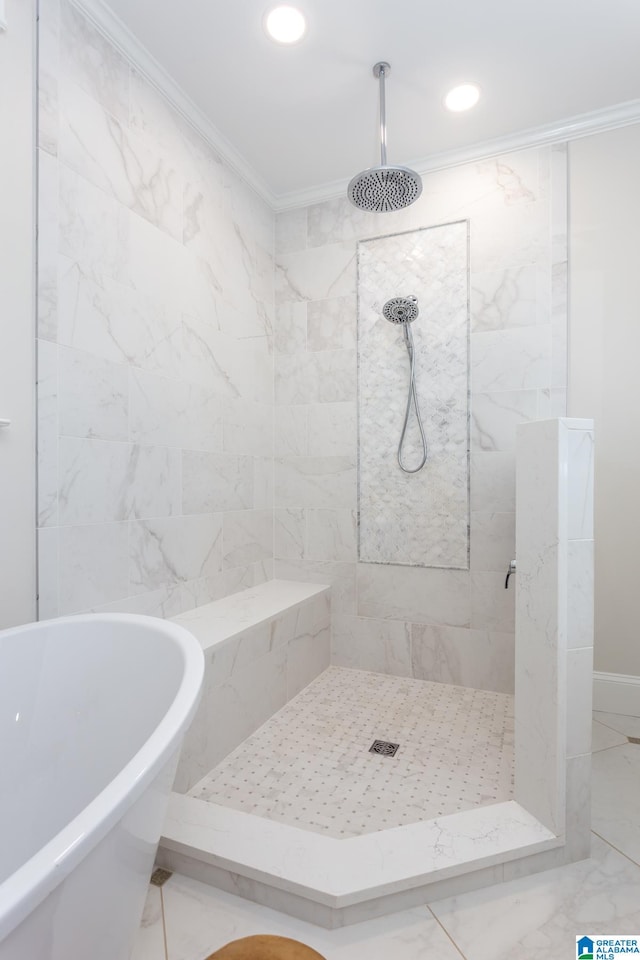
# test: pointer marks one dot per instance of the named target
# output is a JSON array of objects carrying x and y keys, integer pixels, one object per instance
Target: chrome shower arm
[{"x": 380, "y": 71}]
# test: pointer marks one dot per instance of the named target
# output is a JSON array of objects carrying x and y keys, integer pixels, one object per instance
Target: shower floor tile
[{"x": 309, "y": 765}]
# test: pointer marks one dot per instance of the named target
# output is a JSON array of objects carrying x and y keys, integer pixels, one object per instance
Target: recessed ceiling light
[
  {"x": 285, "y": 24},
  {"x": 462, "y": 97}
]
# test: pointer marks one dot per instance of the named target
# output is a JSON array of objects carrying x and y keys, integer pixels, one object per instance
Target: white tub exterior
[{"x": 92, "y": 714}]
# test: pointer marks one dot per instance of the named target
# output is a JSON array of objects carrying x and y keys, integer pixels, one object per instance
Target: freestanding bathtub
[{"x": 92, "y": 713}]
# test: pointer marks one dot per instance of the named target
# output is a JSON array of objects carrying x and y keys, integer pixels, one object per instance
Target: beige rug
[{"x": 264, "y": 947}]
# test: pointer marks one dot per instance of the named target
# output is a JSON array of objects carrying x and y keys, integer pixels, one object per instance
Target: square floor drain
[{"x": 384, "y": 748}]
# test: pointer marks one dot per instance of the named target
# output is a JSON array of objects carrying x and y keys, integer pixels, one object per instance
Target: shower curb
[{"x": 334, "y": 883}]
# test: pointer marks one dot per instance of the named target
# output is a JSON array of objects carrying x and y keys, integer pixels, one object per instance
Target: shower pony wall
[{"x": 454, "y": 626}]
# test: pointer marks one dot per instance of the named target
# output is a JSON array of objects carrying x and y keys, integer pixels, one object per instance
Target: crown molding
[
  {"x": 112, "y": 27},
  {"x": 573, "y": 128}
]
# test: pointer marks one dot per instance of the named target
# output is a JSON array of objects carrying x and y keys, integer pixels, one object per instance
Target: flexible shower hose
[{"x": 408, "y": 339}]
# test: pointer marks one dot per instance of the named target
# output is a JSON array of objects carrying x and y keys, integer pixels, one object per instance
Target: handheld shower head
[{"x": 401, "y": 309}]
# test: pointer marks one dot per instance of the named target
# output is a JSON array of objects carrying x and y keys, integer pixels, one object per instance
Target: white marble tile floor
[
  {"x": 615, "y": 813},
  {"x": 200, "y": 919},
  {"x": 541, "y": 915},
  {"x": 309, "y": 765},
  {"x": 627, "y": 726},
  {"x": 603, "y": 737},
  {"x": 524, "y": 919}
]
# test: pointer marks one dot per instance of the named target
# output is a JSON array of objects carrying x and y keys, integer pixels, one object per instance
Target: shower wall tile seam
[{"x": 64, "y": 164}]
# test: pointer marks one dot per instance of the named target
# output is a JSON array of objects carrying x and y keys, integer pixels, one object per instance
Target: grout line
[
  {"x": 614, "y": 746},
  {"x": 617, "y": 849},
  {"x": 602, "y": 724},
  {"x": 446, "y": 932},
  {"x": 164, "y": 926},
  {"x": 613, "y": 730}
]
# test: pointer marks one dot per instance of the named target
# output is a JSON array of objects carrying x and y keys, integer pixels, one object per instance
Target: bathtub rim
[{"x": 37, "y": 877}]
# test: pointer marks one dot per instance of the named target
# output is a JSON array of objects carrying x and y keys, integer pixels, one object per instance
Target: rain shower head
[
  {"x": 385, "y": 187},
  {"x": 401, "y": 309},
  {"x": 380, "y": 189}
]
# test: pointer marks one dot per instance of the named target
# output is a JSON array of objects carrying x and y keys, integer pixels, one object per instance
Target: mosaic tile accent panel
[
  {"x": 421, "y": 519},
  {"x": 310, "y": 765}
]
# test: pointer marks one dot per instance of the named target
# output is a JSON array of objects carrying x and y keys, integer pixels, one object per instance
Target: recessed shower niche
[{"x": 416, "y": 518}]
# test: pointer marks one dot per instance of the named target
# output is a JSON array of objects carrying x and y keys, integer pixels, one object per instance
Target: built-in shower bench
[{"x": 262, "y": 646}]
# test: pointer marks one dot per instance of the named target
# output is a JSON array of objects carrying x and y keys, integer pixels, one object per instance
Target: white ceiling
[{"x": 304, "y": 116}]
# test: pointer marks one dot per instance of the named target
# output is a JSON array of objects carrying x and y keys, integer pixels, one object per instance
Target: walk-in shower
[{"x": 404, "y": 310}]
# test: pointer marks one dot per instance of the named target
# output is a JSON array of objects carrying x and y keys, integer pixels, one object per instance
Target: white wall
[
  {"x": 17, "y": 377},
  {"x": 604, "y": 378}
]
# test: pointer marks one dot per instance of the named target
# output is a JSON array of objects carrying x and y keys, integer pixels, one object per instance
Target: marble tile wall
[
  {"x": 450, "y": 625},
  {"x": 421, "y": 518},
  {"x": 155, "y": 327},
  {"x": 158, "y": 336}
]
